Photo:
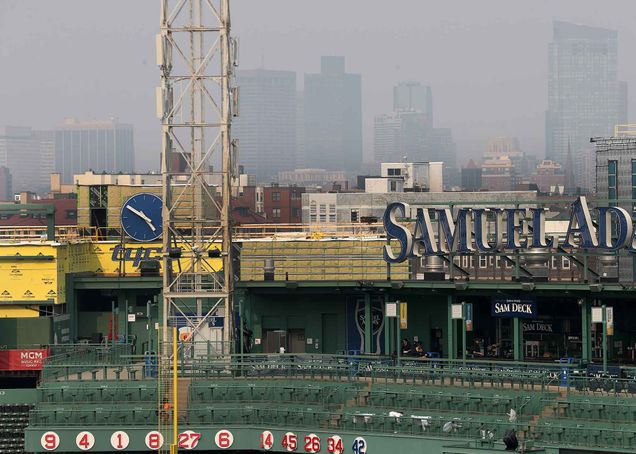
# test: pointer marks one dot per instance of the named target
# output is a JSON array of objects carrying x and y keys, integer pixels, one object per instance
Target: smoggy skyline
[{"x": 486, "y": 61}]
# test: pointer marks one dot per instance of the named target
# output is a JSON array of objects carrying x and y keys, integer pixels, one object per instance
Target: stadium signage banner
[
  {"x": 22, "y": 359},
  {"x": 502, "y": 229},
  {"x": 513, "y": 307}
]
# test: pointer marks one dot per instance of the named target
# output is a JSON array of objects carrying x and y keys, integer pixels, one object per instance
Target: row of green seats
[
  {"x": 99, "y": 392},
  {"x": 581, "y": 407},
  {"x": 137, "y": 416},
  {"x": 377, "y": 420},
  {"x": 275, "y": 392},
  {"x": 564, "y": 432},
  {"x": 264, "y": 414},
  {"x": 467, "y": 402}
]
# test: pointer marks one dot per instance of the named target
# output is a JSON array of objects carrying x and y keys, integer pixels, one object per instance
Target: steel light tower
[{"x": 196, "y": 57}]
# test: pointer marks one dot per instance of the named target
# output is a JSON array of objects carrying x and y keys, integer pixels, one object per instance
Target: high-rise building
[
  {"x": 399, "y": 135},
  {"x": 585, "y": 97},
  {"x": 28, "y": 154},
  {"x": 413, "y": 96},
  {"x": 408, "y": 134},
  {"x": 6, "y": 185},
  {"x": 471, "y": 177},
  {"x": 266, "y": 125},
  {"x": 333, "y": 117},
  {"x": 100, "y": 146}
]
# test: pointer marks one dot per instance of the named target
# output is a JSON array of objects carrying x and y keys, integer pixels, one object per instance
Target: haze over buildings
[
  {"x": 585, "y": 97},
  {"x": 333, "y": 117},
  {"x": 266, "y": 126},
  {"x": 101, "y": 146},
  {"x": 456, "y": 47}
]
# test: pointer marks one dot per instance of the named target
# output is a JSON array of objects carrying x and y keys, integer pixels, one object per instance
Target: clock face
[{"x": 141, "y": 217}]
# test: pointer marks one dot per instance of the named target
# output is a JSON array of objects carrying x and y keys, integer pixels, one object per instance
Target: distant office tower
[
  {"x": 266, "y": 125},
  {"x": 100, "y": 146},
  {"x": 400, "y": 136},
  {"x": 28, "y": 155},
  {"x": 413, "y": 96},
  {"x": 585, "y": 98},
  {"x": 333, "y": 117},
  {"x": 471, "y": 177},
  {"x": 407, "y": 133},
  {"x": 6, "y": 187}
]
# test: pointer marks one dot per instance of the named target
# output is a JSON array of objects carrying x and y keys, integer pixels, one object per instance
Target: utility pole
[{"x": 196, "y": 57}]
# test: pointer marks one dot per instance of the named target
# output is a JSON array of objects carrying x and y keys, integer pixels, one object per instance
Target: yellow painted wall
[{"x": 27, "y": 279}]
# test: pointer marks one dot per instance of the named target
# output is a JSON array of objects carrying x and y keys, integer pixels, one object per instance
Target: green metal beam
[
  {"x": 517, "y": 339},
  {"x": 586, "y": 331},
  {"x": 128, "y": 282},
  {"x": 450, "y": 332},
  {"x": 368, "y": 325}
]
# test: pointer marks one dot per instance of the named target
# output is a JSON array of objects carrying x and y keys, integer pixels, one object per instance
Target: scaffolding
[{"x": 196, "y": 57}]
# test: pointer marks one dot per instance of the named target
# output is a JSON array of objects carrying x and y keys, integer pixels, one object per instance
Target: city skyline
[{"x": 483, "y": 102}]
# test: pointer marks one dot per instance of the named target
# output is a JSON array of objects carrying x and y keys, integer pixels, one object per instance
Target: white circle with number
[
  {"x": 334, "y": 445},
  {"x": 119, "y": 440},
  {"x": 154, "y": 440},
  {"x": 224, "y": 439},
  {"x": 359, "y": 446},
  {"x": 50, "y": 441},
  {"x": 267, "y": 440},
  {"x": 290, "y": 442},
  {"x": 189, "y": 439},
  {"x": 312, "y": 443},
  {"x": 85, "y": 441}
]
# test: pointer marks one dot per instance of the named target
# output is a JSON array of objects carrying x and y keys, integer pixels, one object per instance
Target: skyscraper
[
  {"x": 399, "y": 135},
  {"x": 100, "y": 146},
  {"x": 333, "y": 117},
  {"x": 413, "y": 96},
  {"x": 408, "y": 132},
  {"x": 28, "y": 154},
  {"x": 266, "y": 125},
  {"x": 585, "y": 97}
]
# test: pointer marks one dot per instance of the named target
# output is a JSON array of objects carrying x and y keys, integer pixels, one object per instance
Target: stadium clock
[{"x": 141, "y": 217}]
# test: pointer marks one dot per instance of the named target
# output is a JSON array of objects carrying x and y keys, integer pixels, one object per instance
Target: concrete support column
[
  {"x": 368, "y": 325},
  {"x": 518, "y": 339},
  {"x": 586, "y": 330},
  {"x": 450, "y": 331}
]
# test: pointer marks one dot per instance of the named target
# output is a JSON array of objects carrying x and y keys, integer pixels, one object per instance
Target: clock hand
[{"x": 142, "y": 216}]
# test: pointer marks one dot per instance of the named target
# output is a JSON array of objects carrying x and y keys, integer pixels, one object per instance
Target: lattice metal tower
[{"x": 196, "y": 56}]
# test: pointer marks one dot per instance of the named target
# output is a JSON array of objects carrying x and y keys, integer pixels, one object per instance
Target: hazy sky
[{"x": 486, "y": 60}]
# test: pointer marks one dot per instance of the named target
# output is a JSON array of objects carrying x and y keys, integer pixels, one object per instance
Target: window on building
[
  {"x": 394, "y": 172},
  {"x": 332, "y": 212},
  {"x": 295, "y": 195},
  {"x": 322, "y": 213},
  {"x": 276, "y": 213},
  {"x": 296, "y": 213},
  {"x": 393, "y": 185},
  {"x": 70, "y": 214},
  {"x": 313, "y": 215},
  {"x": 612, "y": 186},
  {"x": 275, "y": 196},
  {"x": 355, "y": 215}
]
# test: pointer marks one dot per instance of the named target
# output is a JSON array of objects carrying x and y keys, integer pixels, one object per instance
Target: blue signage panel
[{"x": 513, "y": 307}]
